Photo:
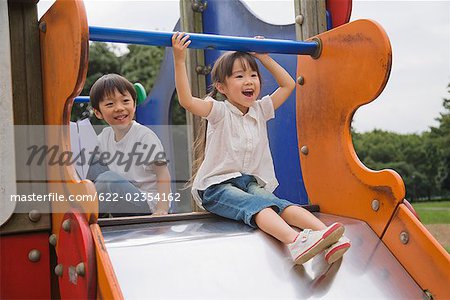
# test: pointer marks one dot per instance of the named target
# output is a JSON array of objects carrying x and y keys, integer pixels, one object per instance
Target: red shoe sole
[{"x": 336, "y": 253}]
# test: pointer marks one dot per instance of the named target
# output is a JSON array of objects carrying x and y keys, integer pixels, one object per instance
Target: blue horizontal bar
[
  {"x": 329, "y": 20},
  {"x": 81, "y": 99},
  {"x": 203, "y": 41}
]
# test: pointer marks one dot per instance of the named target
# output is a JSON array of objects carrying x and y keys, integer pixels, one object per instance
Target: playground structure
[{"x": 393, "y": 255}]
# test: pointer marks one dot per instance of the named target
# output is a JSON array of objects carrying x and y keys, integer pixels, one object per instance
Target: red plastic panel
[
  {"x": 76, "y": 246},
  {"x": 411, "y": 208},
  {"x": 19, "y": 277},
  {"x": 340, "y": 11}
]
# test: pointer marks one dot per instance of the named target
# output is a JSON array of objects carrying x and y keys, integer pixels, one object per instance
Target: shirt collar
[{"x": 251, "y": 110}]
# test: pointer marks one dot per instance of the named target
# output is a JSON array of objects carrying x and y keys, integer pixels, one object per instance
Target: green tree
[
  {"x": 422, "y": 160},
  {"x": 102, "y": 60},
  {"x": 440, "y": 136},
  {"x": 415, "y": 157},
  {"x": 142, "y": 64},
  {"x": 178, "y": 112},
  {"x": 139, "y": 64}
]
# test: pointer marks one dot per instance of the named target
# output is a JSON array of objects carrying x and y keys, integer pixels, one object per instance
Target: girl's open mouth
[{"x": 248, "y": 93}]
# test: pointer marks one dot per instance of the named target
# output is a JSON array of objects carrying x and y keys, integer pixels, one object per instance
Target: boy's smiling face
[{"x": 117, "y": 110}]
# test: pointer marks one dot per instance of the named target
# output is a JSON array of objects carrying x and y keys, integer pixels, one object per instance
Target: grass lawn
[
  {"x": 433, "y": 212},
  {"x": 441, "y": 204}
]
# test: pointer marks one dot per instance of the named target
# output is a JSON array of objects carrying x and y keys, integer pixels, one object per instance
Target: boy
[{"x": 138, "y": 180}]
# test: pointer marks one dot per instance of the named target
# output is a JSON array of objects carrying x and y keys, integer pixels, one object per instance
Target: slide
[
  {"x": 215, "y": 258},
  {"x": 198, "y": 255}
]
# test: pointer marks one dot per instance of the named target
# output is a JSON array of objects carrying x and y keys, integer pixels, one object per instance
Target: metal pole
[
  {"x": 191, "y": 20},
  {"x": 204, "y": 41}
]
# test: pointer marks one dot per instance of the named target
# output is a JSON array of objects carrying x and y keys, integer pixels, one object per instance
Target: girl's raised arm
[
  {"x": 285, "y": 82},
  {"x": 195, "y": 105}
]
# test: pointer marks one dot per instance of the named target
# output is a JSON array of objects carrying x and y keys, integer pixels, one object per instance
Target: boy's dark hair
[{"x": 107, "y": 85}]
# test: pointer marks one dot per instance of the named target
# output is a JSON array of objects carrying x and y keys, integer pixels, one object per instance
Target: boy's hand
[
  {"x": 160, "y": 212},
  {"x": 162, "y": 207},
  {"x": 260, "y": 56},
  {"x": 180, "y": 41}
]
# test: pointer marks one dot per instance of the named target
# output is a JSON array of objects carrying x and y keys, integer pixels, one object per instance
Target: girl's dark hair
[
  {"x": 223, "y": 68},
  {"x": 107, "y": 85}
]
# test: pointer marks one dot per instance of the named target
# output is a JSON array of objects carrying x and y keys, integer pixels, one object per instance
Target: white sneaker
[
  {"x": 337, "y": 250},
  {"x": 309, "y": 243}
]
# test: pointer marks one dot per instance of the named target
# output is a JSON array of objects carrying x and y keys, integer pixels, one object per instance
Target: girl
[{"x": 236, "y": 178}]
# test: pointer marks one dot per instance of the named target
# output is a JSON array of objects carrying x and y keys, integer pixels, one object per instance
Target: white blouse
[{"x": 237, "y": 144}]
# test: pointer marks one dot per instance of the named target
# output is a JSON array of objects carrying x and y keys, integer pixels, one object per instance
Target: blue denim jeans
[
  {"x": 119, "y": 197},
  {"x": 240, "y": 198}
]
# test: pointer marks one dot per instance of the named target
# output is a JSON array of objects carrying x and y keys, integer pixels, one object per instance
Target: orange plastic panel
[
  {"x": 64, "y": 55},
  {"x": 108, "y": 286},
  {"x": 422, "y": 256},
  {"x": 352, "y": 70}
]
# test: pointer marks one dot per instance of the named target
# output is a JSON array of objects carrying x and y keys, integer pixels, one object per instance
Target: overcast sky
[{"x": 419, "y": 32}]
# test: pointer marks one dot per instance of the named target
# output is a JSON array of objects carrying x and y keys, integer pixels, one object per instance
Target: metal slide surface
[{"x": 214, "y": 258}]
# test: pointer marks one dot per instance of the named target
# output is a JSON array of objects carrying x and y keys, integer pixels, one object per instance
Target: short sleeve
[
  {"x": 100, "y": 138},
  {"x": 104, "y": 137},
  {"x": 217, "y": 111},
  {"x": 266, "y": 105},
  {"x": 152, "y": 149}
]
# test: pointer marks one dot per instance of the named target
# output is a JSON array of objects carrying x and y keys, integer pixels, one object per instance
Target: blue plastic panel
[{"x": 233, "y": 18}]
